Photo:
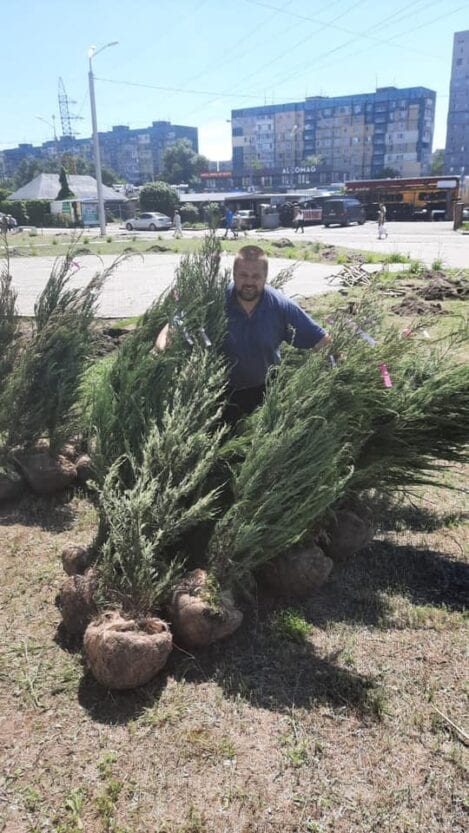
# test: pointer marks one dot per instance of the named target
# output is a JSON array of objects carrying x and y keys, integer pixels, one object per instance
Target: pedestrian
[
  {"x": 229, "y": 223},
  {"x": 259, "y": 320},
  {"x": 299, "y": 220},
  {"x": 381, "y": 221},
  {"x": 177, "y": 224},
  {"x": 3, "y": 223},
  {"x": 12, "y": 224}
]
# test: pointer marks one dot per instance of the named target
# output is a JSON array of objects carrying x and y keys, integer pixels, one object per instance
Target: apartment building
[
  {"x": 322, "y": 139},
  {"x": 457, "y": 134},
  {"x": 135, "y": 154}
]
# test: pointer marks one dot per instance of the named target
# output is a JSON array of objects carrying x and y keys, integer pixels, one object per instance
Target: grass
[{"x": 290, "y": 624}]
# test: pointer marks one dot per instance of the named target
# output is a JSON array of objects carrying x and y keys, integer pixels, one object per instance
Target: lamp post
[{"x": 92, "y": 52}]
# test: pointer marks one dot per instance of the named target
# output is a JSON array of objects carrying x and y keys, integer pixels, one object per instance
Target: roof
[{"x": 47, "y": 186}]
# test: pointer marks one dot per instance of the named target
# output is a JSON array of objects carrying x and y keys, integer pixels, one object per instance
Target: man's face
[{"x": 249, "y": 279}]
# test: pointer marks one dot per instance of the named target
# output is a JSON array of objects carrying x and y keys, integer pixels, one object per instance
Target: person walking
[
  {"x": 299, "y": 220},
  {"x": 381, "y": 221},
  {"x": 177, "y": 224},
  {"x": 229, "y": 223}
]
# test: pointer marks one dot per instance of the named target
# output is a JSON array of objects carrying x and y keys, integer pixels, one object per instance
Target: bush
[
  {"x": 159, "y": 196},
  {"x": 189, "y": 213}
]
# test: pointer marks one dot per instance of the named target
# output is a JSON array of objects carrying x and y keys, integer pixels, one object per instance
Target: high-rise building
[
  {"x": 457, "y": 133},
  {"x": 323, "y": 140},
  {"x": 134, "y": 154}
]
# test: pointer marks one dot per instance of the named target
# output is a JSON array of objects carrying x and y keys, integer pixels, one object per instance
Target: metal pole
[{"x": 97, "y": 159}]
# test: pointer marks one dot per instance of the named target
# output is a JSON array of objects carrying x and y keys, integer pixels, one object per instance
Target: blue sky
[{"x": 201, "y": 58}]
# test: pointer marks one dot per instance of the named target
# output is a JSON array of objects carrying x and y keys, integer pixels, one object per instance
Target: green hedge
[{"x": 34, "y": 213}]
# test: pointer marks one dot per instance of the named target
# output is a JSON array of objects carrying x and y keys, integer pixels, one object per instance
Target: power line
[
  {"x": 287, "y": 78},
  {"x": 333, "y": 25},
  {"x": 172, "y": 89}
]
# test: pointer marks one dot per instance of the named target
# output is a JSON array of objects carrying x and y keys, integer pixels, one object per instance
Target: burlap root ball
[
  {"x": 195, "y": 621},
  {"x": 296, "y": 575},
  {"x": 126, "y": 653},
  {"x": 76, "y": 558},
  {"x": 76, "y": 602},
  {"x": 347, "y": 534}
]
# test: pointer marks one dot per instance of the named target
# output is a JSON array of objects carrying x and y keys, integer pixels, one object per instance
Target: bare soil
[{"x": 336, "y": 733}]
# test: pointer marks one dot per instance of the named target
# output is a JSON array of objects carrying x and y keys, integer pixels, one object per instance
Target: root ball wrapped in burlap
[
  {"x": 347, "y": 534},
  {"x": 126, "y": 653},
  {"x": 76, "y": 558},
  {"x": 196, "y": 620},
  {"x": 296, "y": 575},
  {"x": 76, "y": 601}
]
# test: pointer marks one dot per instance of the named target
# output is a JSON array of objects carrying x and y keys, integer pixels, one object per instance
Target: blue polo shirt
[{"x": 252, "y": 344}]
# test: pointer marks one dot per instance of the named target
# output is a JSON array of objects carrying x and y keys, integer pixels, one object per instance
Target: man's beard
[{"x": 250, "y": 293}]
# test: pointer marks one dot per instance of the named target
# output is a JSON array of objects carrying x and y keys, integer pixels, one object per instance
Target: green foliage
[
  {"x": 159, "y": 196},
  {"x": 329, "y": 433},
  {"x": 4, "y": 194},
  {"x": 181, "y": 163},
  {"x": 17, "y": 209},
  {"x": 290, "y": 624},
  {"x": 387, "y": 173},
  {"x": 213, "y": 214},
  {"x": 8, "y": 318},
  {"x": 65, "y": 192},
  {"x": 438, "y": 163},
  {"x": 170, "y": 492},
  {"x": 189, "y": 213},
  {"x": 41, "y": 391},
  {"x": 132, "y": 391}
]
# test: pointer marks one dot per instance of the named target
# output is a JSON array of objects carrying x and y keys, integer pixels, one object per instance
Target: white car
[{"x": 149, "y": 221}]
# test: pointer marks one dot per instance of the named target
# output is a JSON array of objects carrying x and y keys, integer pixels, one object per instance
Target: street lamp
[
  {"x": 51, "y": 124},
  {"x": 92, "y": 52}
]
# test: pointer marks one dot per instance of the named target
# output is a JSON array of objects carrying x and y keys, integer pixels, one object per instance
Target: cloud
[{"x": 215, "y": 140}]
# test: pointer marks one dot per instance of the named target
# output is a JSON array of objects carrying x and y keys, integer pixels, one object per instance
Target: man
[
  {"x": 299, "y": 220},
  {"x": 259, "y": 319},
  {"x": 177, "y": 224},
  {"x": 229, "y": 218},
  {"x": 381, "y": 221}
]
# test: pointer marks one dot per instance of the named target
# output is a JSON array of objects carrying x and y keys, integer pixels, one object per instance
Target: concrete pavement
[{"x": 140, "y": 280}]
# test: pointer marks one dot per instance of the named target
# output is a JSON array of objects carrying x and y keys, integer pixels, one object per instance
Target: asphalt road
[{"x": 137, "y": 282}]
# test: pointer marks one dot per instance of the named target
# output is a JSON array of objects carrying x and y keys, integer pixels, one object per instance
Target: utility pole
[{"x": 92, "y": 52}]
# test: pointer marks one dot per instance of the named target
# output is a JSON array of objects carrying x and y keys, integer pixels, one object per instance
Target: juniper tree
[{"x": 41, "y": 392}]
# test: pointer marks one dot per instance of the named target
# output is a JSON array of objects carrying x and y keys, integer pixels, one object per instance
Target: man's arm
[{"x": 303, "y": 331}]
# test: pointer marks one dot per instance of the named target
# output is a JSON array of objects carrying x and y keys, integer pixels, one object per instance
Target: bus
[{"x": 415, "y": 198}]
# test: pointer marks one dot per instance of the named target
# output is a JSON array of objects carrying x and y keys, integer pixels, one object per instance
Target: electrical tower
[{"x": 65, "y": 117}]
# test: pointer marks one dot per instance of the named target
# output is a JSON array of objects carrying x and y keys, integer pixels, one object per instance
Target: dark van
[{"x": 342, "y": 211}]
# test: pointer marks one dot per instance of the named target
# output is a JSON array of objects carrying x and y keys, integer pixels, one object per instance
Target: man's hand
[
  {"x": 325, "y": 341},
  {"x": 162, "y": 340}
]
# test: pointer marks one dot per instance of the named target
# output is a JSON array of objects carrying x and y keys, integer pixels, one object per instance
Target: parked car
[
  {"x": 465, "y": 213},
  {"x": 342, "y": 211},
  {"x": 149, "y": 221},
  {"x": 245, "y": 219}
]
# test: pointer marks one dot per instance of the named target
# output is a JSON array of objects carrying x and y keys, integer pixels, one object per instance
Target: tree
[
  {"x": 181, "y": 163},
  {"x": 65, "y": 192},
  {"x": 29, "y": 168},
  {"x": 388, "y": 173},
  {"x": 159, "y": 196},
  {"x": 438, "y": 163},
  {"x": 313, "y": 160}
]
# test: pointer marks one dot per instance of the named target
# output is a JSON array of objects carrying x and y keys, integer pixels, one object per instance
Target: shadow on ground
[
  {"x": 49, "y": 514},
  {"x": 256, "y": 666}
]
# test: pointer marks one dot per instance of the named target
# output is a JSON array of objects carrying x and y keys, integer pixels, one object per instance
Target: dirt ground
[{"x": 339, "y": 732}]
